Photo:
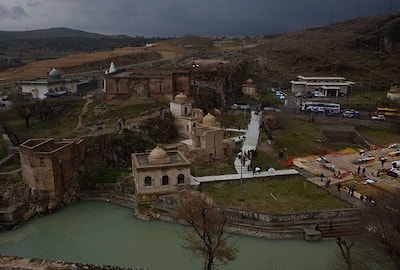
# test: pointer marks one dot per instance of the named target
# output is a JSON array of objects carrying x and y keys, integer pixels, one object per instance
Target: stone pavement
[{"x": 250, "y": 141}]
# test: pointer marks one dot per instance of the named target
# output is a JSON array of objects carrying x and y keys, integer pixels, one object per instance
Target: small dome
[
  {"x": 54, "y": 74},
  {"x": 181, "y": 98},
  {"x": 217, "y": 113},
  {"x": 209, "y": 120},
  {"x": 249, "y": 81},
  {"x": 158, "y": 156}
]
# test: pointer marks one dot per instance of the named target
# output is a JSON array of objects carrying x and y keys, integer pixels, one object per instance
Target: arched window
[
  {"x": 181, "y": 179},
  {"x": 147, "y": 181},
  {"x": 165, "y": 180}
]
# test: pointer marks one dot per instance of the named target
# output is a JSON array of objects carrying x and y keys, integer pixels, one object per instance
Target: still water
[{"x": 104, "y": 233}]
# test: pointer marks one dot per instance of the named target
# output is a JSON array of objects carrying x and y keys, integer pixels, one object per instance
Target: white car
[{"x": 379, "y": 117}]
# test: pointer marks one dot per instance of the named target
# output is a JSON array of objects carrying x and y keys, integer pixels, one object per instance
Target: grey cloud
[
  {"x": 15, "y": 13},
  {"x": 34, "y": 3}
]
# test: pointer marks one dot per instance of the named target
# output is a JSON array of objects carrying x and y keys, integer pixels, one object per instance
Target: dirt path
[{"x": 89, "y": 99}]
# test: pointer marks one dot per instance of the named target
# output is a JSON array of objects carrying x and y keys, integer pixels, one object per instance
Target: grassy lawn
[
  {"x": 292, "y": 193},
  {"x": 128, "y": 111},
  {"x": 3, "y": 150},
  {"x": 236, "y": 118},
  {"x": 380, "y": 137},
  {"x": 112, "y": 175},
  {"x": 299, "y": 138},
  {"x": 217, "y": 167}
]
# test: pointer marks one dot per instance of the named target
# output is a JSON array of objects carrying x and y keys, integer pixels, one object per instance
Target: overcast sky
[{"x": 174, "y": 18}]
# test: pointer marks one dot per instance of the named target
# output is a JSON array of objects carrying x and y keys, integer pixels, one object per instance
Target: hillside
[
  {"x": 365, "y": 50},
  {"x": 46, "y": 33}
]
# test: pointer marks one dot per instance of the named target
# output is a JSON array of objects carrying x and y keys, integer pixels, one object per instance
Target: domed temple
[
  {"x": 52, "y": 86},
  {"x": 159, "y": 172}
]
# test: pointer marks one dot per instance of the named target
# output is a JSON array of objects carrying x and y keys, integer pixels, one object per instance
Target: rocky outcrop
[{"x": 14, "y": 263}]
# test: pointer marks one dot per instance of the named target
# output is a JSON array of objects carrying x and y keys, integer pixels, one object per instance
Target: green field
[{"x": 272, "y": 195}]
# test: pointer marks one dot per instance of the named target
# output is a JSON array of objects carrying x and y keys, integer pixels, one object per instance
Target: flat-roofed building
[
  {"x": 326, "y": 86},
  {"x": 52, "y": 86},
  {"x": 159, "y": 172},
  {"x": 161, "y": 85},
  {"x": 50, "y": 166}
]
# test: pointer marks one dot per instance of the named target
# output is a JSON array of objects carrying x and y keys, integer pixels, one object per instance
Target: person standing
[{"x": 339, "y": 186}]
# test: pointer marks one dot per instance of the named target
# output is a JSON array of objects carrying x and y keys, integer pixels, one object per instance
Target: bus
[
  {"x": 387, "y": 111},
  {"x": 313, "y": 106}
]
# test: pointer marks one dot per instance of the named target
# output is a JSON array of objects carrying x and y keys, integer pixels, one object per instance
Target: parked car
[
  {"x": 351, "y": 113},
  {"x": 318, "y": 94},
  {"x": 241, "y": 106},
  {"x": 379, "y": 117}
]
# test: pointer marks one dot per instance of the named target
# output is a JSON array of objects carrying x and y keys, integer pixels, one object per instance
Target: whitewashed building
[
  {"x": 52, "y": 86},
  {"x": 325, "y": 86}
]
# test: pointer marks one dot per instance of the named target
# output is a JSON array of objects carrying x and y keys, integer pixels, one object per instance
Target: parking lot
[{"x": 346, "y": 164}]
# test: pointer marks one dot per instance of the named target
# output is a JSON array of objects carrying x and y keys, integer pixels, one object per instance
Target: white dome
[{"x": 158, "y": 156}]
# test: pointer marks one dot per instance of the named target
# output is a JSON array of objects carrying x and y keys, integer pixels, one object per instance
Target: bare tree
[
  {"x": 383, "y": 226},
  {"x": 345, "y": 250},
  {"x": 206, "y": 238}
]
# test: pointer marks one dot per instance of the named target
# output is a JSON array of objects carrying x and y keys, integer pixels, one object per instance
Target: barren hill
[{"x": 365, "y": 50}]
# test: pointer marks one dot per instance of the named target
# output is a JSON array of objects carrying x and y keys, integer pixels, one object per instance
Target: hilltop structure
[
  {"x": 326, "y": 86},
  {"x": 52, "y": 86},
  {"x": 161, "y": 85}
]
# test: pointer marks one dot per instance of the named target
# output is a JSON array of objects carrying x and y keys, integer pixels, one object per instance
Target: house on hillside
[
  {"x": 323, "y": 86},
  {"x": 52, "y": 86}
]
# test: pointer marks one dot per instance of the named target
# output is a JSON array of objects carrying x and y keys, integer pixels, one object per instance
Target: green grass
[
  {"x": 130, "y": 111},
  {"x": 112, "y": 175},
  {"x": 293, "y": 194},
  {"x": 266, "y": 160},
  {"x": 236, "y": 118},
  {"x": 216, "y": 167},
  {"x": 299, "y": 138},
  {"x": 3, "y": 150},
  {"x": 380, "y": 137}
]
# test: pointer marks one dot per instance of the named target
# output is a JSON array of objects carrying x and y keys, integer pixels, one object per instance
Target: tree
[
  {"x": 383, "y": 226},
  {"x": 345, "y": 250},
  {"x": 207, "y": 238}
]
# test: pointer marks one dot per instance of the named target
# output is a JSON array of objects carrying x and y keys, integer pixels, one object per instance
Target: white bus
[{"x": 314, "y": 106}]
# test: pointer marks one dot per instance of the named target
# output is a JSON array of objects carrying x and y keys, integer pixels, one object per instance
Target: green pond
[{"x": 105, "y": 233}]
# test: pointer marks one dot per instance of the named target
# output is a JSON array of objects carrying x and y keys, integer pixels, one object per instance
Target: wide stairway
[{"x": 296, "y": 229}]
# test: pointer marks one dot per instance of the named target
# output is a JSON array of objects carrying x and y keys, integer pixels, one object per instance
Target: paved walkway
[{"x": 250, "y": 141}]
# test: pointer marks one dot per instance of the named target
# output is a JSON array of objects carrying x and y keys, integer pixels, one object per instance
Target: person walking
[
  {"x": 358, "y": 170},
  {"x": 363, "y": 171},
  {"x": 339, "y": 186}
]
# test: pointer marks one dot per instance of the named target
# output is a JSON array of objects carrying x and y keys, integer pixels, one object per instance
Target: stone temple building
[
  {"x": 159, "y": 172},
  {"x": 206, "y": 137},
  {"x": 49, "y": 166},
  {"x": 161, "y": 85},
  {"x": 249, "y": 88}
]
